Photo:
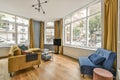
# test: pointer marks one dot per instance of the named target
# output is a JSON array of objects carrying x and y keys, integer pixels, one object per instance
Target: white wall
[
  {"x": 4, "y": 51},
  {"x": 76, "y": 52}
]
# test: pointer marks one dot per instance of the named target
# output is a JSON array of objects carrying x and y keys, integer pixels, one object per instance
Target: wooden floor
[{"x": 60, "y": 68}]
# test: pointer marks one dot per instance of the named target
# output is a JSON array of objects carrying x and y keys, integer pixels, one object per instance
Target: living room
[{"x": 70, "y": 30}]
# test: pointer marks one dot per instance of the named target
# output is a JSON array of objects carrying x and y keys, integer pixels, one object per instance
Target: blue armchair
[{"x": 87, "y": 66}]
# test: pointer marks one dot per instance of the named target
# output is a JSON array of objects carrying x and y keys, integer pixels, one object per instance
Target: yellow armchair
[{"x": 16, "y": 63}]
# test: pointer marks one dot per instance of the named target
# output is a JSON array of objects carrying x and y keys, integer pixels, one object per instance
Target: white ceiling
[{"x": 55, "y": 9}]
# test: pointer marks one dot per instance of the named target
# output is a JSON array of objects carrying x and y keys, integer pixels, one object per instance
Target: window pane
[
  {"x": 50, "y": 24},
  {"x": 79, "y": 33},
  {"x": 67, "y": 20},
  {"x": 7, "y": 17},
  {"x": 67, "y": 34},
  {"x": 21, "y": 21},
  {"x": 95, "y": 31},
  {"x": 94, "y": 8},
  {"x": 7, "y": 30},
  {"x": 79, "y": 14},
  {"x": 7, "y": 39},
  {"x": 22, "y": 35},
  {"x": 49, "y": 36}
]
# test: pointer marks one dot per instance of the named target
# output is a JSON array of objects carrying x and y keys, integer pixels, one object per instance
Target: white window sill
[{"x": 86, "y": 48}]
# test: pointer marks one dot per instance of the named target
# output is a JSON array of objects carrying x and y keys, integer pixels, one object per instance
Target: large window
[
  {"x": 49, "y": 33},
  {"x": 67, "y": 34},
  {"x": 13, "y": 30},
  {"x": 83, "y": 27}
]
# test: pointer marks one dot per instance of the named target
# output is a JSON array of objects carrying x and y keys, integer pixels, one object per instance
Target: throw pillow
[
  {"x": 23, "y": 47},
  {"x": 96, "y": 59},
  {"x": 17, "y": 51}
]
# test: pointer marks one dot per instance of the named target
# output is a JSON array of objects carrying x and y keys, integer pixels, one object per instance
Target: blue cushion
[
  {"x": 98, "y": 50},
  {"x": 96, "y": 58},
  {"x": 104, "y": 53},
  {"x": 109, "y": 62}
]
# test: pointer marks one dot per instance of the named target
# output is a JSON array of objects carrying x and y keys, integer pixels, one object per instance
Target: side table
[
  {"x": 51, "y": 52},
  {"x": 46, "y": 54},
  {"x": 102, "y": 74}
]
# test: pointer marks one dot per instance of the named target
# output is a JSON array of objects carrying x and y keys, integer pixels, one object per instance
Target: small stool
[
  {"x": 102, "y": 74},
  {"x": 46, "y": 57}
]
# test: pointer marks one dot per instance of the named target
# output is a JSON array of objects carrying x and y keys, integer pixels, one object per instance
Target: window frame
[
  {"x": 16, "y": 31},
  {"x": 87, "y": 23}
]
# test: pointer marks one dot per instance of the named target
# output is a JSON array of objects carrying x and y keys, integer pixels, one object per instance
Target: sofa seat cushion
[
  {"x": 86, "y": 66},
  {"x": 84, "y": 61},
  {"x": 96, "y": 58}
]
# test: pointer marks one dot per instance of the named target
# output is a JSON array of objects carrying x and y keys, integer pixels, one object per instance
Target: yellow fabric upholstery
[
  {"x": 12, "y": 49},
  {"x": 17, "y": 51},
  {"x": 33, "y": 50},
  {"x": 18, "y": 62}
]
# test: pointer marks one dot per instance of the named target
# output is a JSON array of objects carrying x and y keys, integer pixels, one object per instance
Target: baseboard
[
  {"x": 70, "y": 57},
  {"x": 3, "y": 57}
]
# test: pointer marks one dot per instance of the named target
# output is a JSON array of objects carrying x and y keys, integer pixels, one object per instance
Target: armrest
[
  {"x": 10, "y": 52},
  {"x": 33, "y": 50},
  {"x": 16, "y": 63}
]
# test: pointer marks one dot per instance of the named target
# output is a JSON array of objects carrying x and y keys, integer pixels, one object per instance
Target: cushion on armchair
[
  {"x": 17, "y": 51},
  {"x": 87, "y": 64},
  {"x": 96, "y": 58},
  {"x": 14, "y": 51},
  {"x": 23, "y": 47},
  {"x": 109, "y": 62},
  {"x": 110, "y": 57}
]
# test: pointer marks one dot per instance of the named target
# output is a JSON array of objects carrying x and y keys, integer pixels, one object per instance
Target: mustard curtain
[
  {"x": 41, "y": 35},
  {"x": 110, "y": 25},
  {"x": 31, "y": 33},
  {"x": 58, "y": 34},
  {"x": 61, "y": 31}
]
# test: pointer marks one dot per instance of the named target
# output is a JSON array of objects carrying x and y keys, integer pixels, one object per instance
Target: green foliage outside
[
  {"x": 94, "y": 25},
  {"x": 76, "y": 29}
]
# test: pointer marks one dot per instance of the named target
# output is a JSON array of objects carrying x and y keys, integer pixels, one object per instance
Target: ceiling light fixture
[{"x": 38, "y": 6}]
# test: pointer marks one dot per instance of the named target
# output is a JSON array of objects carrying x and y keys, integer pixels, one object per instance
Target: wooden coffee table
[{"x": 102, "y": 74}]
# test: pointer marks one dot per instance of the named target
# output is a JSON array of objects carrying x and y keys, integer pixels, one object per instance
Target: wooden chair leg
[
  {"x": 11, "y": 74},
  {"x": 83, "y": 75},
  {"x": 38, "y": 65}
]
